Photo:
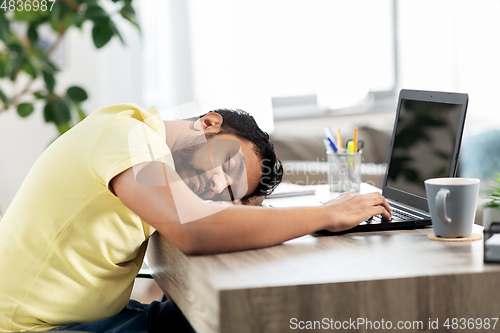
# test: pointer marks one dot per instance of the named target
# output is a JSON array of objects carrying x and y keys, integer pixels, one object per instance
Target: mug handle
[{"x": 441, "y": 205}]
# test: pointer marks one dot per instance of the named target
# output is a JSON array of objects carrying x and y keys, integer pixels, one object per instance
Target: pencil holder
[{"x": 344, "y": 171}]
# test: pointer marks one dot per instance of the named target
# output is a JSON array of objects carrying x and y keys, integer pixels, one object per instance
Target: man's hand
[{"x": 348, "y": 210}]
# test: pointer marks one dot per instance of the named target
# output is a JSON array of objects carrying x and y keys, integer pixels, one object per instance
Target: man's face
[{"x": 221, "y": 168}]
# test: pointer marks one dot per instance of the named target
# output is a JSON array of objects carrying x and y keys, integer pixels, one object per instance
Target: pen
[
  {"x": 329, "y": 136},
  {"x": 355, "y": 147},
  {"x": 350, "y": 146},
  {"x": 339, "y": 138},
  {"x": 361, "y": 144},
  {"x": 327, "y": 146},
  {"x": 335, "y": 149}
]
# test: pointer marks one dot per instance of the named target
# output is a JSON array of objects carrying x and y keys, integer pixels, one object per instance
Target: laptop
[{"x": 425, "y": 144}]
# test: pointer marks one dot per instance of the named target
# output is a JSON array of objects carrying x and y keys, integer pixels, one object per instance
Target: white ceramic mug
[{"x": 452, "y": 204}]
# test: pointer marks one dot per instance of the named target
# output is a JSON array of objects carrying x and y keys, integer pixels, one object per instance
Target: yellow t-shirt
[{"x": 69, "y": 248}]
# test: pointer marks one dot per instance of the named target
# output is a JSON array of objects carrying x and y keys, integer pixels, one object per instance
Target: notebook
[
  {"x": 425, "y": 144},
  {"x": 286, "y": 190}
]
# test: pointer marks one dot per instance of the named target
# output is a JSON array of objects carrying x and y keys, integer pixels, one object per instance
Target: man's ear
[{"x": 209, "y": 123}]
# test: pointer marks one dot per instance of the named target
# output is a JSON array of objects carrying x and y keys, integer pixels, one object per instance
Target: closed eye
[{"x": 226, "y": 167}]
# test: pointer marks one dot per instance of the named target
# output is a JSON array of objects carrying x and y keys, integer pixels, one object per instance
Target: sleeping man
[{"x": 74, "y": 237}]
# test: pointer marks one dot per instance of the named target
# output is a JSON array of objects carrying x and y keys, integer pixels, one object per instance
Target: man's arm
[{"x": 226, "y": 227}]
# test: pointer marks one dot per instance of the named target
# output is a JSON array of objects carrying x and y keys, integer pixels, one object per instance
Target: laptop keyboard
[{"x": 397, "y": 215}]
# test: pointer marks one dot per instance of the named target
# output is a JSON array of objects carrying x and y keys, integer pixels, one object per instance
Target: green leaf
[
  {"x": 492, "y": 204},
  {"x": 77, "y": 94},
  {"x": 81, "y": 113},
  {"x": 4, "y": 98},
  {"x": 128, "y": 13},
  {"x": 16, "y": 47},
  {"x": 63, "y": 128},
  {"x": 77, "y": 20},
  {"x": 39, "y": 95},
  {"x": 95, "y": 13},
  {"x": 55, "y": 17},
  {"x": 48, "y": 66},
  {"x": 25, "y": 109},
  {"x": 4, "y": 26},
  {"x": 101, "y": 33},
  {"x": 26, "y": 15},
  {"x": 67, "y": 21},
  {"x": 16, "y": 66},
  {"x": 29, "y": 68},
  {"x": 4, "y": 60},
  {"x": 50, "y": 81},
  {"x": 57, "y": 111},
  {"x": 32, "y": 33},
  {"x": 113, "y": 28}
]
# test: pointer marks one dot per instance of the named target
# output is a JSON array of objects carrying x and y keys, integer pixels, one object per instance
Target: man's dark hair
[{"x": 243, "y": 125}]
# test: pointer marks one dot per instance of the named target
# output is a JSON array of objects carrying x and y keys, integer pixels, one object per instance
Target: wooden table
[{"x": 396, "y": 276}]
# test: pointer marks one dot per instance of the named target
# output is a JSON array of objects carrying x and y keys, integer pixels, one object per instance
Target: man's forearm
[{"x": 240, "y": 228}]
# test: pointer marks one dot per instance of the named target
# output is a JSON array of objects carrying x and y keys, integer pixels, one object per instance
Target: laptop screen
[{"x": 424, "y": 144}]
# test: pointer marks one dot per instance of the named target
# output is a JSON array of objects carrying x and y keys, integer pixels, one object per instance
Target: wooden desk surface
[{"x": 391, "y": 275}]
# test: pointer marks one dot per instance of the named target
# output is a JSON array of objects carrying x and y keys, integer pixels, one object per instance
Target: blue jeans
[{"x": 138, "y": 318}]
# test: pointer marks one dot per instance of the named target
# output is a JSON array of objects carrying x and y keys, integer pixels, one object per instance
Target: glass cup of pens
[
  {"x": 344, "y": 164},
  {"x": 344, "y": 171}
]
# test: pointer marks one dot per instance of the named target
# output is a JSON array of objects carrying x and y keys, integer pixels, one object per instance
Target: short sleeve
[{"x": 125, "y": 142}]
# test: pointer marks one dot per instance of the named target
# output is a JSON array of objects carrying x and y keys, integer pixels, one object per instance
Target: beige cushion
[{"x": 312, "y": 148}]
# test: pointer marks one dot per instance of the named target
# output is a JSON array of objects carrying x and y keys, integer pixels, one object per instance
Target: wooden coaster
[{"x": 472, "y": 237}]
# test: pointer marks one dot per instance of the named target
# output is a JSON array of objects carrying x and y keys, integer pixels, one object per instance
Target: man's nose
[{"x": 219, "y": 181}]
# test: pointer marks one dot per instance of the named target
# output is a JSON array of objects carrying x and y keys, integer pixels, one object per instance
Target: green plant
[
  {"x": 494, "y": 194},
  {"x": 25, "y": 54}
]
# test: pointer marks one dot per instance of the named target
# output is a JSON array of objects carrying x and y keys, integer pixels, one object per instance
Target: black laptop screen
[{"x": 424, "y": 143}]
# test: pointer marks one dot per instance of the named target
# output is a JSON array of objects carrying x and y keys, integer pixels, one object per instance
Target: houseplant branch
[{"x": 24, "y": 55}]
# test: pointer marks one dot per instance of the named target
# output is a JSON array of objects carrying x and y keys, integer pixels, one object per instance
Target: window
[
  {"x": 287, "y": 57},
  {"x": 334, "y": 53}
]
